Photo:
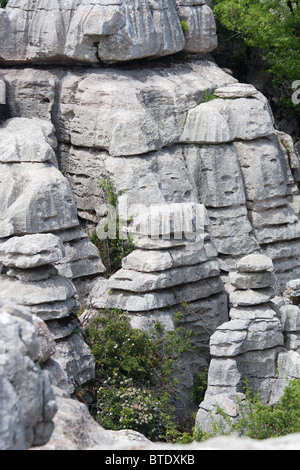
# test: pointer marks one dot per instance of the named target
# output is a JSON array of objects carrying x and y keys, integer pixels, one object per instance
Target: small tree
[{"x": 272, "y": 26}]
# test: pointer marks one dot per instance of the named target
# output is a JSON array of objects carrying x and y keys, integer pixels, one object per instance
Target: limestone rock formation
[
  {"x": 260, "y": 343},
  {"x": 39, "y": 229},
  {"x": 156, "y": 120},
  {"x": 171, "y": 132},
  {"x": 27, "y": 401},
  {"x": 76, "y": 429},
  {"x": 109, "y": 31}
]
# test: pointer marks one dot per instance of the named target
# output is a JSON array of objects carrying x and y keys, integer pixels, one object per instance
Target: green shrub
[
  {"x": 3, "y": 3},
  {"x": 208, "y": 97},
  {"x": 185, "y": 26},
  {"x": 258, "y": 420},
  {"x": 134, "y": 372},
  {"x": 124, "y": 405},
  {"x": 112, "y": 250}
]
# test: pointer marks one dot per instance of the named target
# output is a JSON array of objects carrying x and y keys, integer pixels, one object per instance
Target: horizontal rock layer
[
  {"x": 106, "y": 31},
  {"x": 149, "y": 140},
  {"x": 39, "y": 228}
]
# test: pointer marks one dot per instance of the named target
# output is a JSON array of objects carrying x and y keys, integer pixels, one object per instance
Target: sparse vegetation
[
  {"x": 112, "y": 250},
  {"x": 258, "y": 420},
  {"x": 185, "y": 26},
  {"x": 208, "y": 97},
  {"x": 134, "y": 373}
]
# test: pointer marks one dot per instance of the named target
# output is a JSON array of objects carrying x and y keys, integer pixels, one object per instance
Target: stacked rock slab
[
  {"x": 171, "y": 271},
  {"x": 251, "y": 194},
  {"x": 27, "y": 400},
  {"x": 155, "y": 140},
  {"x": 289, "y": 359},
  {"x": 110, "y": 31},
  {"x": 36, "y": 200},
  {"x": 248, "y": 345},
  {"x": 260, "y": 342}
]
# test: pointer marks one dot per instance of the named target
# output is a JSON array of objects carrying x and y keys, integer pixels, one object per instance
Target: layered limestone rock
[
  {"x": 164, "y": 139},
  {"x": 170, "y": 131},
  {"x": 260, "y": 343},
  {"x": 30, "y": 280},
  {"x": 27, "y": 401},
  {"x": 92, "y": 31},
  {"x": 173, "y": 268},
  {"x": 39, "y": 230}
]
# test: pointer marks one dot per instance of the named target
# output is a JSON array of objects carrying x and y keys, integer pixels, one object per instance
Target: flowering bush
[
  {"x": 127, "y": 406},
  {"x": 135, "y": 374}
]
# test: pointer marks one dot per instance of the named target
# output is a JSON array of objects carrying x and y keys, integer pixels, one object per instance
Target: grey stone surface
[
  {"x": 146, "y": 128},
  {"x": 217, "y": 121},
  {"x": 292, "y": 291},
  {"x": 33, "y": 274},
  {"x": 200, "y": 31},
  {"x": 30, "y": 94},
  {"x": 156, "y": 101},
  {"x": 250, "y": 297},
  {"x": 57, "y": 289},
  {"x": 17, "y": 145},
  {"x": 29, "y": 204},
  {"x": 27, "y": 400},
  {"x": 31, "y": 251},
  {"x": 36, "y": 200},
  {"x": 250, "y": 280},
  {"x": 85, "y": 31},
  {"x": 133, "y": 281},
  {"x": 45, "y": 339},
  {"x": 164, "y": 259}
]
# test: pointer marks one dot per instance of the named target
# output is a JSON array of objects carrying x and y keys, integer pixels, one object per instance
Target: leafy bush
[
  {"x": 112, "y": 250},
  {"x": 3, "y": 3},
  {"x": 272, "y": 26},
  {"x": 257, "y": 420},
  {"x": 134, "y": 372}
]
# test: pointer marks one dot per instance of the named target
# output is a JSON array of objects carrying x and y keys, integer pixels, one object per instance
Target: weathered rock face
[
  {"x": 27, "y": 401},
  {"x": 39, "y": 229},
  {"x": 111, "y": 31},
  {"x": 260, "y": 342},
  {"x": 154, "y": 140},
  {"x": 171, "y": 133}
]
